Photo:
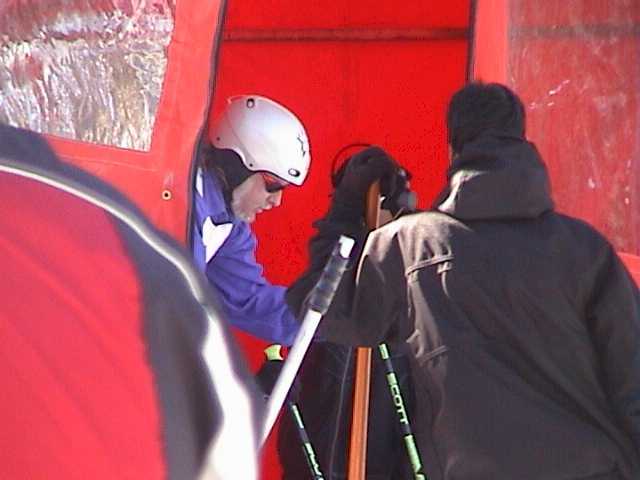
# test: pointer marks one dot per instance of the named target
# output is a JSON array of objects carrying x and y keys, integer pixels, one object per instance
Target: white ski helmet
[{"x": 267, "y": 137}]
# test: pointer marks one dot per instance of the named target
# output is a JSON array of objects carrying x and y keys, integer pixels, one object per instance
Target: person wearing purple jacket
[{"x": 258, "y": 148}]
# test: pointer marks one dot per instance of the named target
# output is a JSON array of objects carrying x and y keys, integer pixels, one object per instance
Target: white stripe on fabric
[
  {"x": 213, "y": 236},
  {"x": 231, "y": 455},
  {"x": 199, "y": 183}
]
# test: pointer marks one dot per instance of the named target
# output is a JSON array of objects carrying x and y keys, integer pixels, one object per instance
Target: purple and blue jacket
[{"x": 224, "y": 249}]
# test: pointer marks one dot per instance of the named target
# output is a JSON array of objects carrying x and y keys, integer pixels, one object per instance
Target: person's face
[{"x": 257, "y": 193}]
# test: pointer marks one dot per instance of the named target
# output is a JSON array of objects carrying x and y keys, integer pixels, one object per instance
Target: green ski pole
[
  {"x": 403, "y": 417},
  {"x": 273, "y": 353}
]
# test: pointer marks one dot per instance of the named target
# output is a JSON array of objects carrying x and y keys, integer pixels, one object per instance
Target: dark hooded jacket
[
  {"x": 325, "y": 394},
  {"x": 523, "y": 323}
]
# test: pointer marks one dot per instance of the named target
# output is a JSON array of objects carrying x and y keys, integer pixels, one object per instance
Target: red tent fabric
[
  {"x": 574, "y": 65},
  {"x": 157, "y": 180},
  {"x": 632, "y": 262}
]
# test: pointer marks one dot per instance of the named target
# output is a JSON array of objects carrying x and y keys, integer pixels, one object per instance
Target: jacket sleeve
[
  {"x": 329, "y": 229},
  {"x": 377, "y": 302},
  {"x": 614, "y": 321},
  {"x": 251, "y": 303}
]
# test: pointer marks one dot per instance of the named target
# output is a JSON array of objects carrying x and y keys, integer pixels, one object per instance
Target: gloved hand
[
  {"x": 398, "y": 195},
  {"x": 352, "y": 181},
  {"x": 270, "y": 371},
  {"x": 356, "y": 175}
]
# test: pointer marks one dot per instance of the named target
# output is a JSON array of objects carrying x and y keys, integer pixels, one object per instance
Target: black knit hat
[{"x": 479, "y": 108}]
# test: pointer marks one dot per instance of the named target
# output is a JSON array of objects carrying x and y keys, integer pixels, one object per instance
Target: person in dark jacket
[
  {"x": 115, "y": 361},
  {"x": 523, "y": 323},
  {"x": 327, "y": 374}
]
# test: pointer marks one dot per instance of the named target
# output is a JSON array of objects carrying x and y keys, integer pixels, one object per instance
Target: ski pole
[
  {"x": 362, "y": 386},
  {"x": 403, "y": 416},
  {"x": 357, "y": 458},
  {"x": 319, "y": 301},
  {"x": 274, "y": 354}
]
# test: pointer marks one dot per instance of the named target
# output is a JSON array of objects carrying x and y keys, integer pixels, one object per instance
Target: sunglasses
[{"x": 273, "y": 184}]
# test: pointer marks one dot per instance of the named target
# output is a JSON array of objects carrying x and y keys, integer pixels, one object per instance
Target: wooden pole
[{"x": 360, "y": 417}]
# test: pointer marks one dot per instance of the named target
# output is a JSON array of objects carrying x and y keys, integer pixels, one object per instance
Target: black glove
[
  {"x": 352, "y": 181},
  {"x": 398, "y": 195},
  {"x": 270, "y": 371}
]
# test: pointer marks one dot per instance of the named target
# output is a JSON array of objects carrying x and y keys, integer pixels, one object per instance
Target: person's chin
[{"x": 254, "y": 215}]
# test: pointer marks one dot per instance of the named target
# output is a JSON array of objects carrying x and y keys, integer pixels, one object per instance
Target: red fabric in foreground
[{"x": 78, "y": 398}]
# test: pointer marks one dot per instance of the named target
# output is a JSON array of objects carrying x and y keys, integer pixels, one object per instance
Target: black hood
[{"x": 496, "y": 178}]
